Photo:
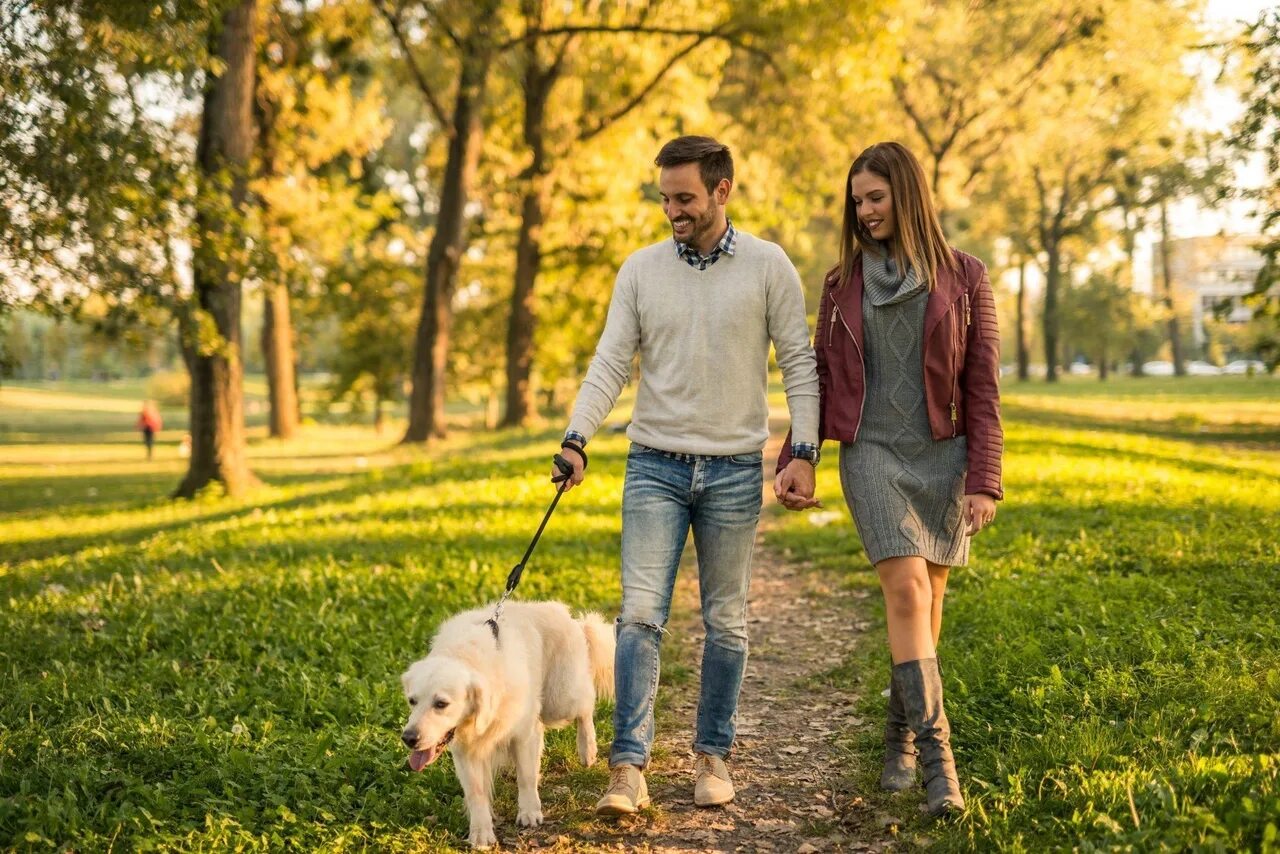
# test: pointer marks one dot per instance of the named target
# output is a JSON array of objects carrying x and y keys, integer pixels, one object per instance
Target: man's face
[{"x": 691, "y": 210}]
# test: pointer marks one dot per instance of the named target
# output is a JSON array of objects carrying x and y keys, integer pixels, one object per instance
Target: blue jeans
[{"x": 664, "y": 496}]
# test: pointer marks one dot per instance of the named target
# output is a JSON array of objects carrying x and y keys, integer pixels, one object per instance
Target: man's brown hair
[{"x": 715, "y": 163}]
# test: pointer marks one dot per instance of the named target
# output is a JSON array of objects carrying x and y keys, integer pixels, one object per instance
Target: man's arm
[
  {"x": 789, "y": 331},
  {"x": 608, "y": 372}
]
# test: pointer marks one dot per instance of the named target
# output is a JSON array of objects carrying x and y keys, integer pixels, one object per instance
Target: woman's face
[{"x": 873, "y": 203}]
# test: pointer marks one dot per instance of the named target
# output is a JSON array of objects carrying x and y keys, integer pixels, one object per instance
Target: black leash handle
[{"x": 566, "y": 471}]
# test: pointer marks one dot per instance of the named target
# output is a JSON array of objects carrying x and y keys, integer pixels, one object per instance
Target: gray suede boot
[
  {"x": 899, "y": 747},
  {"x": 920, "y": 685}
]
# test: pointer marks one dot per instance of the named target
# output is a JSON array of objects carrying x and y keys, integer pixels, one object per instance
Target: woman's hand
[
  {"x": 978, "y": 511},
  {"x": 795, "y": 485}
]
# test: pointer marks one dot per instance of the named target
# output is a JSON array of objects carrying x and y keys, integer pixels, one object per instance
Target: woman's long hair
[{"x": 917, "y": 241}]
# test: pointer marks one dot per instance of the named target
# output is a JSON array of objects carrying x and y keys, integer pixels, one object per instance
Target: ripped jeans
[{"x": 665, "y": 496}]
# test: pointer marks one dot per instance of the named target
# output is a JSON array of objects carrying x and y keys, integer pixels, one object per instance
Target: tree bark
[
  {"x": 522, "y": 321},
  {"x": 431, "y": 343},
  {"x": 1166, "y": 274},
  {"x": 1052, "y": 279},
  {"x": 1024, "y": 356},
  {"x": 225, "y": 145},
  {"x": 277, "y": 354}
]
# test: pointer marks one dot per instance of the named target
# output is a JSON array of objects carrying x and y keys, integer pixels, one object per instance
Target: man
[{"x": 701, "y": 311}]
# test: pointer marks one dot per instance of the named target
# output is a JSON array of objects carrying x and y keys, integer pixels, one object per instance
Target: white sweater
[{"x": 703, "y": 338}]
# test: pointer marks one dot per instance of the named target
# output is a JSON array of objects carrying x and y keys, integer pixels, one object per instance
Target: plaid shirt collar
[{"x": 694, "y": 258}]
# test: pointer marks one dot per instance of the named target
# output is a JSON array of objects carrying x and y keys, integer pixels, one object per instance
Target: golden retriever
[{"x": 489, "y": 699}]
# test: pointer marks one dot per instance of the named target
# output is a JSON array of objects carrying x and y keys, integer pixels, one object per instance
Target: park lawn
[
  {"x": 223, "y": 673},
  {"x": 1111, "y": 656}
]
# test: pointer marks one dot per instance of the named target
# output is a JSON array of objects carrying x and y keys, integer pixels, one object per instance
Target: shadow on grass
[
  {"x": 1262, "y": 436},
  {"x": 345, "y": 487}
]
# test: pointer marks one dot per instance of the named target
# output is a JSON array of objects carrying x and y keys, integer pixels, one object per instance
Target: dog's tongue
[{"x": 420, "y": 759}]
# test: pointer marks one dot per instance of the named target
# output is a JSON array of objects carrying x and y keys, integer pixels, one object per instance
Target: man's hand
[
  {"x": 978, "y": 511},
  {"x": 794, "y": 486},
  {"x": 570, "y": 453}
]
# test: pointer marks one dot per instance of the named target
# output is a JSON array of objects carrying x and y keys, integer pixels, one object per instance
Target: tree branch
[
  {"x": 419, "y": 77},
  {"x": 643, "y": 93},
  {"x": 733, "y": 37},
  {"x": 900, "y": 89}
]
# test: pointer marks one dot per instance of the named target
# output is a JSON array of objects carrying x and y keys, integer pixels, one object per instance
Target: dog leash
[{"x": 566, "y": 472}]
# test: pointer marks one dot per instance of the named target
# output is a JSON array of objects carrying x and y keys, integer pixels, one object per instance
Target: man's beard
[{"x": 699, "y": 231}]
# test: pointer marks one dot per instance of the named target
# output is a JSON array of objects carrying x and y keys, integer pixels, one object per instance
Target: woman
[{"x": 908, "y": 362}]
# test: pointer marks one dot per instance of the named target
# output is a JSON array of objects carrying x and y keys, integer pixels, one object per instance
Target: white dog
[{"x": 490, "y": 699}]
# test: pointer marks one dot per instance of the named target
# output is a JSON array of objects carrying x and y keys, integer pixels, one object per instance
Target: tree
[
  {"x": 320, "y": 116},
  {"x": 1117, "y": 92},
  {"x": 1097, "y": 315},
  {"x": 371, "y": 294},
  {"x": 966, "y": 71},
  {"x": 1259, "y": 131},
  {"x": 1154, "y": 175},
  {"x": 546, "y": 61},
  {"x": 211, "y": 332},
  {"x": 465, "y": 43}
]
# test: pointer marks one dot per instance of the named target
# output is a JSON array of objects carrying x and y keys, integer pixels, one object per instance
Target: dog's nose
[{"x": 410, "y": 738}]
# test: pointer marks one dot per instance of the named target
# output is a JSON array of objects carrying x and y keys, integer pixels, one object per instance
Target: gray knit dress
[{"x": 905, "y": 490}]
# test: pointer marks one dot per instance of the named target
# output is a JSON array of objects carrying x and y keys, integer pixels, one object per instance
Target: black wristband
[{"x": 578, "y": 450}]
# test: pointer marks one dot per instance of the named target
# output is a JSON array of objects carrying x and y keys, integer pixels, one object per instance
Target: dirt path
[{"x": 789, "y": 768}]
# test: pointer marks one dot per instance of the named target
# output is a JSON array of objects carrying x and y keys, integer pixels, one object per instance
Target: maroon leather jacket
[{"x": 961, "y": 367}]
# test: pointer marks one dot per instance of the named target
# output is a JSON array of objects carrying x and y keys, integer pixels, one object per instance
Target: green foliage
[
  {"x": 1259, "y": 131},
  {"x": 169, "y": 388}
]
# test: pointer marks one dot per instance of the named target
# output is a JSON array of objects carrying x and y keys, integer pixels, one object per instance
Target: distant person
[
  {"x": 909, "y": 359},
  {"x": 149, "y": 423}
]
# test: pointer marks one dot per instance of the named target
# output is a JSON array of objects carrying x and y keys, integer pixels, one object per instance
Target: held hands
[
  {"x": 794, "y": 486},
  {"x": 570, "y": 453},
  {"x": 978, "y": 511}
]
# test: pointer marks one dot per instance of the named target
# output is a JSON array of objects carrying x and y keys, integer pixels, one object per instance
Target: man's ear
[
  {"x": 722, "y": 191},
  {"x": 484, "y": 704}
]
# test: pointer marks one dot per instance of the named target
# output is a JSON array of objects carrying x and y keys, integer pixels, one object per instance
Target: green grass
[
  {"x": 223, "y": 673},
  {"x": 1112, "y": 658},
  {"x": 216, "y": 674}
]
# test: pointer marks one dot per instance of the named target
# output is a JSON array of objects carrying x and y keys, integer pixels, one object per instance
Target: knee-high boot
[
  {"x": 899, "y": 772},
  {"x": 920, "y": 684}
]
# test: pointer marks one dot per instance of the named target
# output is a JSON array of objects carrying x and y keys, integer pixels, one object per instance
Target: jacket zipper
[
  {"x": 956, "y": 358},
  {"x": 863, "y": 402}
]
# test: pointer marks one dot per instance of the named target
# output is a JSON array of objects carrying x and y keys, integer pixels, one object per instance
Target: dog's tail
[{"x": 600, "y": 646}]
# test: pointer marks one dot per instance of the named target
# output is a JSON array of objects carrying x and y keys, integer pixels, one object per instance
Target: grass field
[{"x": 223, "y": 673}]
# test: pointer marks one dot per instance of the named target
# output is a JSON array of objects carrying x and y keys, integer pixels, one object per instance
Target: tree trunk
[
  {"x": 1104, "y": 368},
  {"x": 1166, "y": 274},
  {"x": 277, "y": 355},
  {"x": 225, "y": 143},
  {"x": 1053, "y": 276},
  {"x": 523, "y": 319},
  {"x": 1024, "y": 356},
  {"x": 377, "y": 412},
  {"x": 431, "y": 343}
]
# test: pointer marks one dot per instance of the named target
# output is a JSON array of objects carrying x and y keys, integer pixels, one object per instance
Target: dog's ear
[{"x": 484, "y": 704}]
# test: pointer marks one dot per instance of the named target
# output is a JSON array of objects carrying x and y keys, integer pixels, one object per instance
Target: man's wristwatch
[{"x": 807, "y": 452}]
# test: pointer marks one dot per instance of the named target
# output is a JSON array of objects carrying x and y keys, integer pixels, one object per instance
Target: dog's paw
[
  {"x": 482, "y": 837},
  {"x": 529, "y": 817},
  {"x": 588, "y": 757}
]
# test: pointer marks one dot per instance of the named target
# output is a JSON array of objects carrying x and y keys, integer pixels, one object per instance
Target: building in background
[{"x": 1209, "y": 272}]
